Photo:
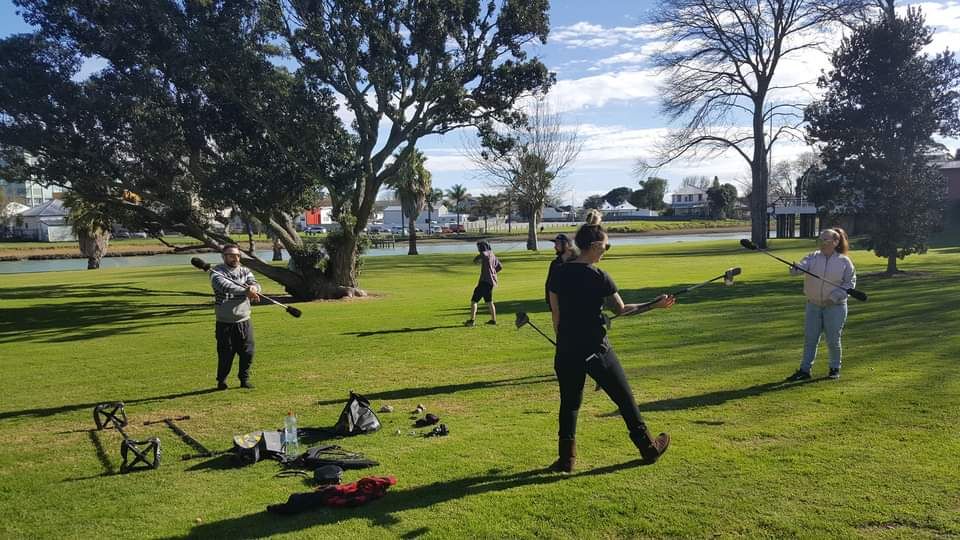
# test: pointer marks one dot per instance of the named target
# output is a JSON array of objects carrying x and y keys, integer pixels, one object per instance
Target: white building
[
  {"x": 393, "y": 216},
  {"x": 689, "y": 201},
  {"x": 552, "y": 214},
  {"x": 625, "y": 210},
  {"x": 45, "y": 223}
]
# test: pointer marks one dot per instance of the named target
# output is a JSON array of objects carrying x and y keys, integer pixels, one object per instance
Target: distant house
[
  {"x": 558, "y": 214},
  {"x": 45, "y": 223},
  {"x": 393, "y": 215},
  {"x": 318, "y": 215},
  {"x": 951, "y": 172},
  {"x": 689, "y": 201},
  {"x": 624, "y": 210}
]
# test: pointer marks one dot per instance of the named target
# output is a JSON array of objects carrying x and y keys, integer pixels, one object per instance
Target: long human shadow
[
  {"x": 421, "y": 391},
  {"x": 383, "y": 512},
  {"x": 711, "y": 399},
  {"x": 404, "y": 330},
  {"x": 50, "y": 411}
]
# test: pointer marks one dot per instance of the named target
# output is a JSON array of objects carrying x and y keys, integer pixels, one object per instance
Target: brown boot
[
  {"x": 651, "y": 449},
  {"x": 568, "y": 456}
]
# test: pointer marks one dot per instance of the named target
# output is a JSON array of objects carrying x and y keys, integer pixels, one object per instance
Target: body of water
[{"x": 56, "y": 265}]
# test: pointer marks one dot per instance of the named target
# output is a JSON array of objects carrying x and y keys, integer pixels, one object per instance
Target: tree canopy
[
  {"x": 884, "y": 101},
  {"x": 197, "y": 115}
]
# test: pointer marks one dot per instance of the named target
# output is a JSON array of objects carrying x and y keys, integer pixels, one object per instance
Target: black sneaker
[
  {"x": 222, "y": 386},
  {"x": 246, "y": 384},
  {"x": 491, "y": 323},
  {"x": 800, "y": 375},
  {"x": 834, "y": 373},
  {"x": 469, "y": 322}
]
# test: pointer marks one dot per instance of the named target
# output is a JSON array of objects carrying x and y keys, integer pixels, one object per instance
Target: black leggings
[{"x": 604, "y": 368}]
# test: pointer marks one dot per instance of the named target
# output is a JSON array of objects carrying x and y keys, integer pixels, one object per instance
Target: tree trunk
[
  {"x": 93, "y": 246},
  {"x": 892, "y": 264},
  {"x": 760, "y": 174},
  {"x": 532, "y": 231},
  {"x": 413, "y": 236},
  {"x": 304, "y": 281}
]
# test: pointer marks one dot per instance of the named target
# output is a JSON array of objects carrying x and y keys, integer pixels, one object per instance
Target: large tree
[
  {"x": 721, "y": 199},
  {"x": 618, "y": 196},
  {"x": 651, "y": 194},
  {"x": 528, "y": 160},
  {"x": 884, "y": 101},
  {"x": 720, "y": 60},
  {"x": 190, "y": 115},
  {"x": 194, "y": 114},
  {"x": 412, "y": 184},
  {"x": 410, "y": 68},
  {"x": 487, "y": 206}
]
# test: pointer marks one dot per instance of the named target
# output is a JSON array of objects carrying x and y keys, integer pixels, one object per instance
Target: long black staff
[
  {"x": 859, "y": 295},
  {"x": 727, "y": 278},
  {"x": 205, "y": 266}
]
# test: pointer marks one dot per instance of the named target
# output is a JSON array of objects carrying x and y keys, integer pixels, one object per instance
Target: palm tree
[
  {"x": 486, "y": 207},
  {"x": 412, "y": 184},
  {"x": 434, "y": 196},
  {"x": 91, "y": 225},
  {"x": 457, "y": 195}
]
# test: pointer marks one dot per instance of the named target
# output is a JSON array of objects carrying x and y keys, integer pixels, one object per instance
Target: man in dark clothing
[
  {"x": 565, "y": 252},
  {"x": 489, "y": 266},
  {"x": 234, "y": 331}
]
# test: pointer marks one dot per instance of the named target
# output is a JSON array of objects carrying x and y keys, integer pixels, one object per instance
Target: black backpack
[{"x": 357, "y": 417}]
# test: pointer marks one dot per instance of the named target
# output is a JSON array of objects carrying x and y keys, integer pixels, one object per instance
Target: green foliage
[
  {"x": 195, "y": 114},
  {"x": 593, "y": 202},
  {"x": 884, "y": 101},
  {"x": 456, "y": 196},
  {"x": 722, "y": 200},
  {"x": 618, "y": 196},
  {"x": 651, "y": 194},
  {"x": 412, "y": 182}
]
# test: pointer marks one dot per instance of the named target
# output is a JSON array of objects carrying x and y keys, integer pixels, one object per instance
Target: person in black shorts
[
  {"x": 489, "y": 266},
  {"x": 578, "y": 291}
]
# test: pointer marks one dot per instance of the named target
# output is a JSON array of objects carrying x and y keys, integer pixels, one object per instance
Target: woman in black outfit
[{"x": 578, "y": 291}]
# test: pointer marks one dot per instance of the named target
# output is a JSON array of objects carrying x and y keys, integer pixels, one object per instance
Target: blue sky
[{"x": 599, "y": 50}]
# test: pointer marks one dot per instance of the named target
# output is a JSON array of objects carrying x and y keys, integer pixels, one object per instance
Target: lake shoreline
[{"x": 63, "y": 252}]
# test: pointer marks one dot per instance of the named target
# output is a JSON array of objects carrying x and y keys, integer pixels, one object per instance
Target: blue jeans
[{"x": 827, "y": 320}]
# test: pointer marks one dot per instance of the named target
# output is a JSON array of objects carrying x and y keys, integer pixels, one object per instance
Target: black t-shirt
[
  {"x": 581, "y": 289},
  {"x": 554, "y": 264}
]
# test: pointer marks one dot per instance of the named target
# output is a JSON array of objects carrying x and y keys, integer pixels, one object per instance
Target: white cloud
[
  {"x": 595, "y": 36},
  {"x": 600, "y": 90}
]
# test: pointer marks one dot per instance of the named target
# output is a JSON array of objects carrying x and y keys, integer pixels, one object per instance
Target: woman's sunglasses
[{"x": 606, "y": 247}]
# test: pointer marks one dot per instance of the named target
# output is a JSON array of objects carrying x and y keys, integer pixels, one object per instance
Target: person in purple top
[{"x": 489, "y": 266}]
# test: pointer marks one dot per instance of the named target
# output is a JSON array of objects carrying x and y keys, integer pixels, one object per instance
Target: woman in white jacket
[{"x": 826, "y": 310}]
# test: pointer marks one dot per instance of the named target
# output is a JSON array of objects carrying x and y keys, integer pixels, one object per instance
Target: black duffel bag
[{"x": 357, "y": 417}]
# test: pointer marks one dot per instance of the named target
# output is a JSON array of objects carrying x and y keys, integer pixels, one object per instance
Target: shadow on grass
[
  {"x": 84, "y": 290},
  {"x": 400, "y": 330},
  {"x": 421, "y": 391},
  {"x": 383, "y": 512},
  {"x": 55, "y": 323},
  {"x": 711, "y": 399},
  {"x": 50, "y": 411}
]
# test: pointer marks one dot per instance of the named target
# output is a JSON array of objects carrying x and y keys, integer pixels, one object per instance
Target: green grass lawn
[{"x": 873, "y": 454}]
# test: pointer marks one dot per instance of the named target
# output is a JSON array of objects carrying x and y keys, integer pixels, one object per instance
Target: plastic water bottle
[{"x": 291, "y": 446}]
